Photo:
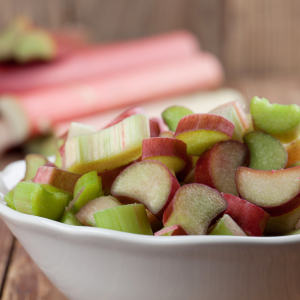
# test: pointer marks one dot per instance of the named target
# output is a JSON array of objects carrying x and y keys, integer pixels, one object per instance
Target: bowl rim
[{"x": 19, "y": 218}]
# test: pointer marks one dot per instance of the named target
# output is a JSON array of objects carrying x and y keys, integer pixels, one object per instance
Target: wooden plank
[
  {"x": 6, "y": 243},
  {"x": 276, "y": 90},
  {"x": 25, "y": 281},
  {"x": 261, "y": 37}
]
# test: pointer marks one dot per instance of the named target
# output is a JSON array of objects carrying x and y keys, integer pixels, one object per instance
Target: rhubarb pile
[{"x": 209, "y": 174}]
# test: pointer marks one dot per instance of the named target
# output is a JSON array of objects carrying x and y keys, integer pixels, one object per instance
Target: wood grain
[
  {"x": 25, "y": 281},
  {"x": 6, "y": 244}
]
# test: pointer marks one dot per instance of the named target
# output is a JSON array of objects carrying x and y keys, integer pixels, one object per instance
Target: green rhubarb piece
[
  {"x": 9, "y": 199},
  {"x": 86, "y": 213},
  {"x": 293, "y": 232},
  {"x": 33, "y": 162},
  {"x": 9, "y": 36},
  {"x": 35, "y": 44},
  {"x": 44, "y": 145},
  {"x": 174, "y": 114},
  {"x": 296, "y": 164},
  {"x": 33, "y": 199},
  {"x": 109, "y": 148},
  {"x": 92, "y": 188},
  {"x": 266, "y": 152},
  {"x": 282, "y": 121},
  {"x": 230, "y": 113},
  {"x": 130, "y": 218},
  {"x": 284, "y": 223},
  {"x": 226, "y": 226},
  {"x": 69, "y": 218}
]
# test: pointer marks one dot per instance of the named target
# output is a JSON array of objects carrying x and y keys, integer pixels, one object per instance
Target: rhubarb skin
[
  {"x": 202, "y": 131},
  {"x": 130, "y": 200},
  {"x": 171, "y": 152},
  {"x": 251, "y": 218},
  {"x": 208, "y": 167},
  {"x": 61, "y": 179},
  {"x": 154, "y": 129},
  {"x": 259, "y": 175}
]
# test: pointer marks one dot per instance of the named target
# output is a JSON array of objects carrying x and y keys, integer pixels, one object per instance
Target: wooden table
[{"x": 20, "y": 278}]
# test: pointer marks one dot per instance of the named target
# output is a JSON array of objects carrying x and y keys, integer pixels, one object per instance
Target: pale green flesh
[
  {"x": 296, "y": 231},
  {"x": 283, "y": 224},
  {"x": 33, "y": 162},
  {"x": 34, "y": 45},
  {"x": 130, "y": 218},
  {"x": 9, "y": 36},
  {"x": 198, "y": 141},
  {"x": 195, "y": 206},
  {"x": 267, "y": 152},
  {"x": 274, "y": 118},
  {"x": 91, "y": 183},
  {"x": 9, "y": 199},
  {"x": 69, "y": 218},
  {"x": 227, "y": 226},
  {"x": 230, "y": 114},
  {"x": 34, "y": 199},
  {"x": 174, "y": 114},
  {"x": 109, "y": 148}
]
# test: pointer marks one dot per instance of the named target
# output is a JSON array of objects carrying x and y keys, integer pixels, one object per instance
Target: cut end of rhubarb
[{"x": 148, "y": 182}]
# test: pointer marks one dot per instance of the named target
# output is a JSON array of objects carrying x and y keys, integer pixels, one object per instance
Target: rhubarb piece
[
  {"x": 276, "y": 192},
  {"x": 9, "y": 35},
  {"x": 202, "y": 131},
  {"x": 148, "y": 182},
  {"x": 281, "y": 121},
  {"x": 293, "y": 151},
  {"x": 161, "y": 124},
  {"x": 154, "y": 128},
  {"x": 61, "y": 179},
  {"x": 33, "y": 199},
  {"x": 226, "y": 226},
  {"x": 91, "y": 183},
  {"x": 182, "y": 175},
  {"x": 293, "y": 232},
  {"x": 283, "y": 224},
  {"x": 109, "y": 148},
  {"x": 109, "y": 177},
  {"x": 171, "y": 152},
  {"x": 9, "y": 199},
  {"x": 33, "y": 162},
  {"x": 86, "y": 212},
  {"x": 217, "y": 166},
  {"x": 234, "y": 113},
  {"x": 167, "y": 134},
  {"x": 194, "y": 207},
  {"x": 69, "y": 218},
  {"x": 33, "y": 45},
  {"x": 155, "y": 223},
  {"x": 251, "y": 218},
  {"x": 79, "y": 129},
  {"x": 296, "y": 164},
  {"x": 266, "y": 152},
  {"x": 174, "y": 114},
  {"x": 130, "y": 218},
  {"x": 166, "y": 231}
]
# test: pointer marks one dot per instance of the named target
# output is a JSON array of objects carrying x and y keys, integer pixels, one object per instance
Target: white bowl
[{"x": 91, "y": 263}]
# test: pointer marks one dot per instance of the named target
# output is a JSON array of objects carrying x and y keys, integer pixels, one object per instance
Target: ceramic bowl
[{"x": 91, "y": 263}]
